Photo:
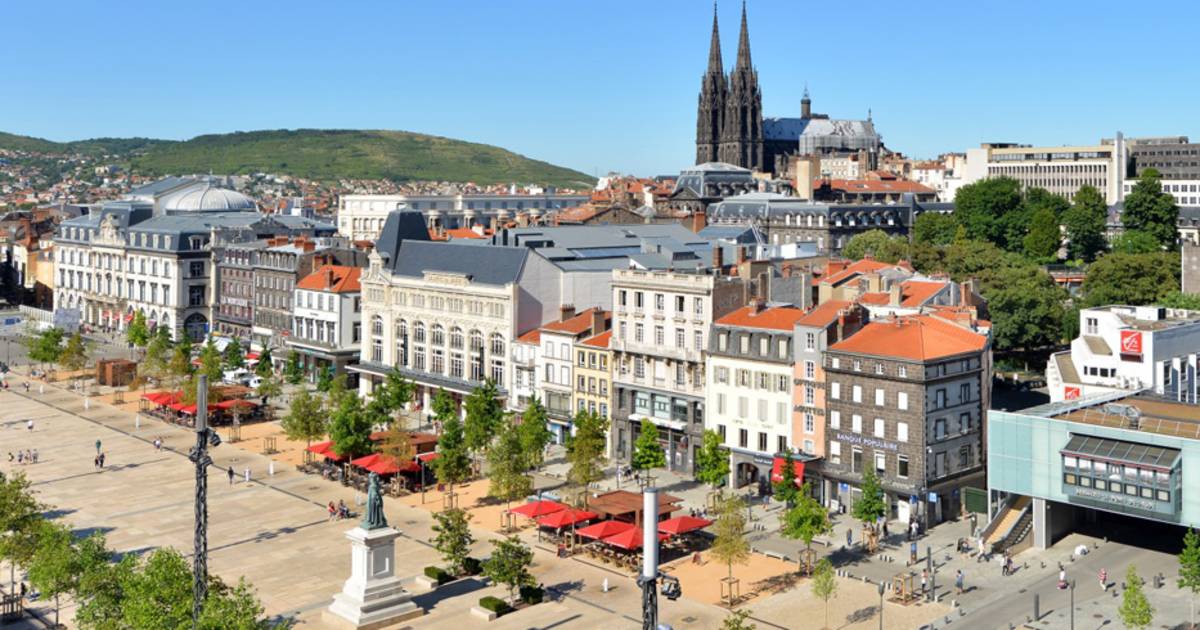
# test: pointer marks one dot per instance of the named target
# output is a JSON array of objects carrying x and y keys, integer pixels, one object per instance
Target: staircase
[{"x": 1010, "y": 530}]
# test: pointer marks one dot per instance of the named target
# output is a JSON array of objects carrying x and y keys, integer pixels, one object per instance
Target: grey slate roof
[
  {"x": 160, "y": 186},
  {"x": 400, "y": 226},
  {"x": 485, "y": 265}
]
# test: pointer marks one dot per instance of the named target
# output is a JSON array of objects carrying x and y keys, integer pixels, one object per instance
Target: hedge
[
  {"x": 472, "y": 566},
  {"x": 532, "y": 594},
  {"x": 494, "y": 604},
  {"x": 439, "y": 574}
]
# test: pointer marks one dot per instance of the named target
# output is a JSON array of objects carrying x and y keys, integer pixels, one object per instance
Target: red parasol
[
  {"x": 683, "y": 525},
  {"x": 565, "y": 518},
  {"x": 604, "y": 529},
  {"x": 629, "y": 539},
  {"x": 534, "y": 509}
]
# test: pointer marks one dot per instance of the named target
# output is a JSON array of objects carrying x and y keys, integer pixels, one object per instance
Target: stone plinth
[{"x": 372, "y": 597}]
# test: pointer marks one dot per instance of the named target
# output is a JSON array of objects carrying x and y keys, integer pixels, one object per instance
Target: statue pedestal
[{"x": 372, "y": 597}]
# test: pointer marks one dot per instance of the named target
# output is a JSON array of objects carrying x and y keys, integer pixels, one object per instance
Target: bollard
[
  {"x": 271, "y": 468},
  {"x": 137, "y": 421},
  {"x": 1037, "y": 605}
]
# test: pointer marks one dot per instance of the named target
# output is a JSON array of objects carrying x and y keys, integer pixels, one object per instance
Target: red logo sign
[
  {"x": 1131, "y": 342},
  {"x": 1070, "y": 393}
]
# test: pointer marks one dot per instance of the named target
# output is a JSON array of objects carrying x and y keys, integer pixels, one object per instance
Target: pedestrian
[
  {"x": 913, "y": 528},
  {"x": 26, "y": 384},
  {"x": 958, "y": 581},
  {"x": 885, "y": 530},
  {"x": 97, "y": 447},
  {"x": 230, "y": 471},
  {"x": 20, "y": 456},
  {"x": 101, "y": 460},
  {"x": 924, "y": 580},
  {"x": 247, "y": 474},
  {"x": 158, "y": 444},
  {"x": 849, "y": 537},
  {"x": 332, "y": 510},
  {"x": 1104, "y": 580},
  {"x": 96, "y": 462},
  {"x": 35, "y": 456},
  {"x": 982, "y": 554},
  {"x": 10, "y": 456},
  {"x": 29, "y": 424},
  {"x": 1062, "y": 578}
]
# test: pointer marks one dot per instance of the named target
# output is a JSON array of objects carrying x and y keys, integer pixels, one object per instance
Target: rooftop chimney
[
  {"x": 565, "y": 312},
  {"x": 757, "y": 304},
  {"x": 741, "y": 254},
  {"x": 718, "y": 257},
  {"x": 598, "y": 321},
  {"x": 698, "y": 221}
]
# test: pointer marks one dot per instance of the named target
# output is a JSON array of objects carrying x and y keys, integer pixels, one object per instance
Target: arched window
[
  {"x": 377, "y": 326},
  {"x": 438, "y": 335},
  {"x": 401, "y": 358},
  {"x": 497, "y": 345},
  {"x": 456, "y": 338},
  {"x": 476, "y": 341},
  {"x": 419, "y": 332}
]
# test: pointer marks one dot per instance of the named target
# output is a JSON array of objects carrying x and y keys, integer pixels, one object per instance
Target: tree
[
  {"x": 1037, "y": 199},
  {"x": 210, "y": 361},
  {"x": 864, "y": 243},
  {"x": 158, "y": 354},
  {"x": 1150, "y": 210},
  {"x": 509, "y": 565},
  {"x": 20, "y": 520},
  {"x": 1085, "y": 222},
  {"x": 98, "y": 592},
  {"x": 535, "y": 435},
  {"x": 268, "y": 388},
  {"x": 324, "y": 379},
  {"x": 397, "y": 444},
  {"x": 179, "y": 367},
  {"x": 1179, "y": 299},
  {"x": 785, "y": 490},
  {"x": 306, "y": 420},
  {"x": 46, "y": 346},
  {"x": 443, "y": 407},
  {"x": 730, "y": 545},
  {"x": 292, "y": 372},
  {"x": 138, "y": 333},
  {"x": 1026, "y": 307},
  {"x": 984, "y": 207},
  {"x": 74, "y": 356},
  {"x": 1131, "y": 279},
  {"x": 1135, "y": 242},
  {"x": 1135, "y": 610},
  {"x": 350, "y": 427},
  {"x": 453, "y": 464},
  {"x": 485, "y": 416},
  {"x": 234, "y": 357},
  {"x": 869, "y": 507},
  {"x": 737, "y": 620},
  {"x": 53, "y": 569},
  {"x": 824, "y": 585},
  {"x": 1189, "y": 568},
  {"x": 712, "y": 460},
  {"x": 1044, "y": 237},
  {"x": 453, "y": 539},
  {"x": 395, "y": 392},
  {"x": 934, "y": 228},
  {"x": 585, "y": 450},
  {"x": 647, "y": 452},
  {"x": 804, "y": 522},
  {"x": 265, "y": 368},
  {"x": 507, "y": 465}
]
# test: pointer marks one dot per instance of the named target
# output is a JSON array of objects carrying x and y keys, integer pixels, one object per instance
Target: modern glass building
[{"x": 1135, "y": 455}]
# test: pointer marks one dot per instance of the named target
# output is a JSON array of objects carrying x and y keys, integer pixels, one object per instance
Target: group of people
[
  {"x": 27, "y": 456},
  {"x": 339, "y": 511}
]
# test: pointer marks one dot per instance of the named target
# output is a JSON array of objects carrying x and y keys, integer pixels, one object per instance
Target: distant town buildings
[{"x": 361, "y": 217}]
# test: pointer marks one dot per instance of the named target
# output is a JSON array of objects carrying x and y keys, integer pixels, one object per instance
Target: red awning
[
  {"x": 163, "y": 398},
  {"x": 604, "y": 529},
  {"x": 428, "y": 457},
  {"x": 777, "y": 470},
  {"x": 683, "y": 525},
  {"x": 128, "y": 317},
  {"x": 189, "y": 410},
  {"x": 324, "y": 449},
  {"x": 629, "y": 539},
  {"x": 565, "y": 518},
  {"x": 534, "y": 509},
  {"x": 252, "y": 356},
  {"x": 382, "y": 464}
]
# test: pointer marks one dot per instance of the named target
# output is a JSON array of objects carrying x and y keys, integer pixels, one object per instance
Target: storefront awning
[
  {"x": 777, "y": 470},
  {"x": 1122, "y": 452}
]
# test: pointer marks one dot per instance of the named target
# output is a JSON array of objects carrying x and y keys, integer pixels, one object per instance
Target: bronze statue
[{"x": 374, "y": 518}]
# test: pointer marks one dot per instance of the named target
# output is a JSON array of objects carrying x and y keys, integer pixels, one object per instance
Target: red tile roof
[
  {"x": 914, "y": 337},
  {"x": 575, "y": 325},
  {"x": 332, "y": 278},
  {"x": 599, "y": 341},
  {"x": 823, "y": 314},
  {"x": 464, "y": 233},
  {"x": 917, "y": 292},
  {"x": 866, "y": 265},
  {"x": 876, "y": 298},
  {"x": 534, "y": 337},
  {"x": 875, "y": 186},
  {"x": 772, "y": 318}
]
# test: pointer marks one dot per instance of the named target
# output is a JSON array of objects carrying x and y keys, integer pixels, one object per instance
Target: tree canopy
[
  {"x": 870, "y": 506},
  {"x": 729, "y": 544},
  {"x": 1044, "y": 237},
  {"x": 1131, "y": 279},
  {"x": 138, "y": 333},
  {"x": 507, "y": 465},
  {"x": 350, "y": 427},
  {"x": 45, "y": 346},
  {"x": 1085, "y": 223},
  {"x": 878, "y": 244},
  {"x": 306, "y": 419},
  {"x": 647, "y": 452},
  {"x": 712, "y": 460},
  {"x": 234, "y": 357},
  {"x": 1149, "y": 209},
  {"x": 785, "y": 490},
  {"x": 585, "y": 450},
  {"x": 509, "y": 564},
  {"x": 1135, "y": 242},
  {"x": 988, "y": 210},
  {"x": 453, "y": 537},
  {"x": 1135, "y": 610},
  {"x": 934, "y": 228},
  {"x": 535, "y": 435},
  {"x": 453, "y": 464},
  {"x": 485, "y": 416}
]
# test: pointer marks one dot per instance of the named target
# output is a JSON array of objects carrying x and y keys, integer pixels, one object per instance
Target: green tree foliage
[
  {"x": 1041, "y": 199},
  {"x": 934, "y": 228},
  {"x": 235, "y": 357},
  {"x": 158, "y": 354},
  {"x": 869, "y": 507},
  {"x": 824, "y": 585},
  {"x": 507, "y": 465},
  {"x": 453, "y": 464},
  {"x": 535, "y": 435},
  {"x": 888, "y": 249},
  {"x": 509, "y": 565},
  {"x": 443, "y": 407},
  {"x": 989, "y": 209},
  {"x": 1132, "y": 279},
  {"x": 179, "y": 367},
  {"x": 647, "y": 452},
  {"x": 453, "y": 538},
  {"x": 712, "y": 460},
  {"x": 265, "y": 366},
  {"x": 395, "y": 392},
  {"x": 738, "y": 620},
  {"x": 54, "y": 569},
  {"x": 1044, "y": 237},
  {"x": 306, "y": 419},
  {"x": 292, "y": 372},
  {"x": 1135, "y": 610},
  {"x": 485, "y": 415},
  {"x": 1179, "y": 299},
  {"x": 210, "y": 362},
  {"x": 46, "y": 346},
  {"x": 729, "y": 544},
  {"x": 138, "y": 333},
  {"x": 1026, "y": 307},
  {"x": 324, "y": 379},
  {"x": 585, "y": 450},
  {"x": 20, "y": 519},
  {"x": 1150, "y": 210},
  {"x": 1085, "y": 222},
  {"x": 806, "y": 520},
  {"x": 1189, "y": 568},
  {"x": 350, "y": 427},
  {"x": 1135, "y": 242},
  {"x": 785, "y": 490},
  {"x": 74, "y": 354}
]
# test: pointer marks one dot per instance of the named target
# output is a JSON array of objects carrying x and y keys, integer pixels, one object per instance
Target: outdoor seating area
[
  {"x": 228, "y": 408},
  {"x": 398, "y": 478}
]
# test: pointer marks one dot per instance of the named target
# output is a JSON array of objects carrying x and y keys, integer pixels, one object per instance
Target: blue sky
[{"x": 597, "y": 86}]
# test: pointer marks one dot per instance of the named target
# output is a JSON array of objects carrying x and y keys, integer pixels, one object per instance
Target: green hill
[{"x": 324, "y": 155}]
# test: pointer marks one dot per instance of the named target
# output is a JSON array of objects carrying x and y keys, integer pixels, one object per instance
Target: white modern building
[
  {"x": 361, "y": 217},
  {"x": 327, "y": 319},
  {"x": 1129, "y": 348},
  {"x": 556, "y": 364}
]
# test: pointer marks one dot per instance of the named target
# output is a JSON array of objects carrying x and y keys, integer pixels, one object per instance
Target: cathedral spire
[
  {"x": 743, "y": 56},
  {"x": 714, "y": 48}
]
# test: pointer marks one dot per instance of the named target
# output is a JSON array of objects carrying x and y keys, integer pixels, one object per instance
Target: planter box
[
  {"x": 425, "y": 582},
  {"x": 483, "y": 613}
]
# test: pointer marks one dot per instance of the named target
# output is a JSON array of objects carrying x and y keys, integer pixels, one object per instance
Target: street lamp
[
  {"x": 1072, "y": 589},
  {"x": 205, "y": 437},
  {"x": 880, "y": 604}
]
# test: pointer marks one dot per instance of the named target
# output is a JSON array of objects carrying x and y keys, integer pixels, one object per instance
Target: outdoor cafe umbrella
[
  {"x": 604, "y": 529},
  {"x": 629, "y": 539},
  {"x": 565, "y": 518},
  {"x": 682, "y": 525},
  {"x": 534, "y": 509},
  {"x": 324, "y": 449},
  {"x": 382, "y": 464}
]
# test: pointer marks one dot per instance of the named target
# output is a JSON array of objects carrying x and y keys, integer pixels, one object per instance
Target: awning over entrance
[
  {"x": 1122, "y": 452},
  {"x": 777, "y": 470}
]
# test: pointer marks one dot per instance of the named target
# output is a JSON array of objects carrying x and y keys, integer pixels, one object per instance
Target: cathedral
[{"x": 730, "y": 126}]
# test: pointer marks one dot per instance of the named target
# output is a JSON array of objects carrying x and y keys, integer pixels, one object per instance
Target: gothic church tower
[
  {"x": 742, "y": 133},
  {"x": 711, "y": 109}
]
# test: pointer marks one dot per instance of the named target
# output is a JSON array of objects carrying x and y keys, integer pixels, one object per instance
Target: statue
[{"x": 374, "y": 518}]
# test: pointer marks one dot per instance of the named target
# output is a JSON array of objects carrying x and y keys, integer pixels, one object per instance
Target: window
[
  {"x": 680, "y": 374},
  {"x": 902, "y": 466},
  {"x": 809, "y": 423},
  {"x": 964, "y": 423},
  {"x": 939, "y": 428},
  {"x": 743, "y": 438},
  {"x": 622, "y": 296},
  {"x": 722, "y": 341},
  {"x": 964, "y": 392},
  {"x": 679, "y": 305},
  {"x": 856, "y": 423},
  {"x": 721, "y": 432},
  {"x": 810, "y": 341},
  {"x": 638, "y": 333},
  {"x": 964, "y": 457},
  {"x": 762, "y": 441},
  {"x": 902, "y": 371},
  {"x": 743, "y": 407},
  {"x": 744, "y": 343},
  {"x": 762, "y": 410},
  {"x": 856, "y": 394},
  {"x": 622, "y": 335},
  {"x": 721, "y": 403},
  {"x": 763, "y": 380},
  {"x": 879, "y": 397},
  {"x": 781, "y": 445},
  {"x": 810, "y": 395},
  {"x": 781, "y": 413},
  {"x": 835, "y": 452},
  {"x": 698, "y": 307},
  {"x": 659, "y": 302},
  {"x": 880, "y": 463},
  {"x": 901, "y": 431},
  {"x": 721, "y": 374},
  {"x": 658, "y": 335},
  {"x": 1091, "y": 326},
  {"x": 698, "y": 340},
  {"x": 879, "y": 427},
  {"x": 781, "y": 383},
  {"x": 879, "y": 368},
  {"x": 856, "y": 459},
  {"x": 637, "y": 300},
  {"x": 639, "y": 367},
  {"x": 835, "y": 363},
  {"x": 810, "y": 370},
  {"x": 835, "y": 419},
  {"x": 857, "y": 365},
  {"x": 679, "y": 338},
  {"x": 939, "y": 398},
  {"x": 835, "y": 390},
  {"x": 902, "y": 400}
]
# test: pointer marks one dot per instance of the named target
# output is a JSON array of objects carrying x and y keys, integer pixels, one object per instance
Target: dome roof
[{"x": 210, "y": 199}]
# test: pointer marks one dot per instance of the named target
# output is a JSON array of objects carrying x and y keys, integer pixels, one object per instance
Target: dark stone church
[{"x": 730, "y": 127}]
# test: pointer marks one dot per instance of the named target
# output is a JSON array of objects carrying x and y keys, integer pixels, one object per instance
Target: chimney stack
[
  {"x": 565, "y": 312},
  {"x": 756, "y": 305},
  {"x": 598, "y": 321},
  {"x": 741, "y": 254},
  {"x": 718, "y": 258},
  {"x": 698, "y": 221}
]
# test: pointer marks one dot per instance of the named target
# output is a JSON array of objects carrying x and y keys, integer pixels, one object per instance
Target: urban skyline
[{"x": 935, "y": 81}]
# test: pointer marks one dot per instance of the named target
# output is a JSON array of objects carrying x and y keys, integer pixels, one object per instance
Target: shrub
[
  {"x": 532, "y": 594},
  {"x": 472, "y": 566},
  {"x": 439, "y": 574},
  {"x": 494, "y": 604}
]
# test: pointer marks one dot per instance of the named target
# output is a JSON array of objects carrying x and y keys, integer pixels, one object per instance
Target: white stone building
[
  {"x": 361, "y": 217},
  {"x": 327, "y": 319}
]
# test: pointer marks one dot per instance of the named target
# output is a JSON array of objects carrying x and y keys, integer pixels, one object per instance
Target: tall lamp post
[
  {"x": 880, "y": 604},
  {"x": 199, "y": 456}
]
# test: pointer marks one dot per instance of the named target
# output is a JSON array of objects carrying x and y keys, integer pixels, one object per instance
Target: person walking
[
  {"x": 1104, "y": 580},
  {"x": 230, "y": 470},
  {"x": 97, "y": 447},
  {"x": 247, "y": 473},
  {"x": 332, "y": 509},
  {"x": 26, "y": 384},
  {"x": 958, "y": 582},
  {"x": 849, "y": 537},
  {"x": 20, "y": 456},
  {"x": 924, "y": 580},
  {"x": 982, "y": 551},
  {"x": 35, "y": 456},
  {"x": 29, "y": 424},
  {"x": 101, "y": 461}
]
